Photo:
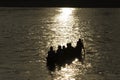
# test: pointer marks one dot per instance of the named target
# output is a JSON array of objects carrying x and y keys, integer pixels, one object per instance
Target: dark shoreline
[{"x": 87, "y": 4}]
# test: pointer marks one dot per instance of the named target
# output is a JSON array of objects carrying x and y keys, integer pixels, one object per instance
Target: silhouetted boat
[{"x": 65, "y": 55}]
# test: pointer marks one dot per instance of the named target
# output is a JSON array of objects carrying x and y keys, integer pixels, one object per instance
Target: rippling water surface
[{"x": 27, "y": 33}]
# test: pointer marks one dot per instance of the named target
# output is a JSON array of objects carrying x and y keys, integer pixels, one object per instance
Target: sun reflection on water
[
  {"x": 65, "y": 30},
  {"x": 69, "y": 72}
]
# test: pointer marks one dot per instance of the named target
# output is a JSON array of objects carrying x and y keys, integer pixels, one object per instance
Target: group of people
[{"x": 63, "y": 54}]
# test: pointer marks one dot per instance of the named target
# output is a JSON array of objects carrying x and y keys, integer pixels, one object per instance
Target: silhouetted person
[
  {"x": 79, "y": 48},
  {"x": 51, "y": 56},
  {"x": 63, "y": 53},
  {"x": 59, "y": 49},
  {"x": 69, "y": 46},
  {"x": 80, "y": 43},
  {"x": 51, "y": 59},
  {"x": 51, "y": 53},
  {"x": 58, "y": 54},
  {"x": 63, "y": 47},
  {"x": 70, "y": 51}
]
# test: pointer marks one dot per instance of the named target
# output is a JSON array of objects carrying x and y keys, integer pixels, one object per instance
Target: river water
[{"x": 27, "y": 33}]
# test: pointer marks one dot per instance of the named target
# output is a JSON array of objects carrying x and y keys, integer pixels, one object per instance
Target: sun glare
[{"x": 65, "y": 13}]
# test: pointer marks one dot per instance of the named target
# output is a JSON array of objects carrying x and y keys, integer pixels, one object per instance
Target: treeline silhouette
[{"x": 64, "y": 55}]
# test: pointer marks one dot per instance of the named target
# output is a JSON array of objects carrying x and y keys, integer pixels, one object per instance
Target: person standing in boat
[
  {"x": 51, "y": 55},
  {"x": 58, "y": 54},
  {"x": 79, "y": 48},
  {"x": 70, "y": 51},
  {"x": 51, "y": 59}
]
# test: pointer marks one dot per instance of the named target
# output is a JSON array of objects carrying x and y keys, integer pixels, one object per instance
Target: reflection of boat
[{"x": 65, "y": 56}]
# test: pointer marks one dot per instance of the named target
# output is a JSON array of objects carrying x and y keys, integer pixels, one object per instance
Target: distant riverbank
[{"x": 54, "y": 3}]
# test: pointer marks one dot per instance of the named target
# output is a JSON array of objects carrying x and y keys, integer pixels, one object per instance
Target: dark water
[{"x": 27, "y": 33}]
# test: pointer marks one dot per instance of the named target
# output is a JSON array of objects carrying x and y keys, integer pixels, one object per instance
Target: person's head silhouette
[
  {"x": 59, "y": 47},
  {"x": 51, "y": 48},
  {"x": 63, "y": 47}
]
